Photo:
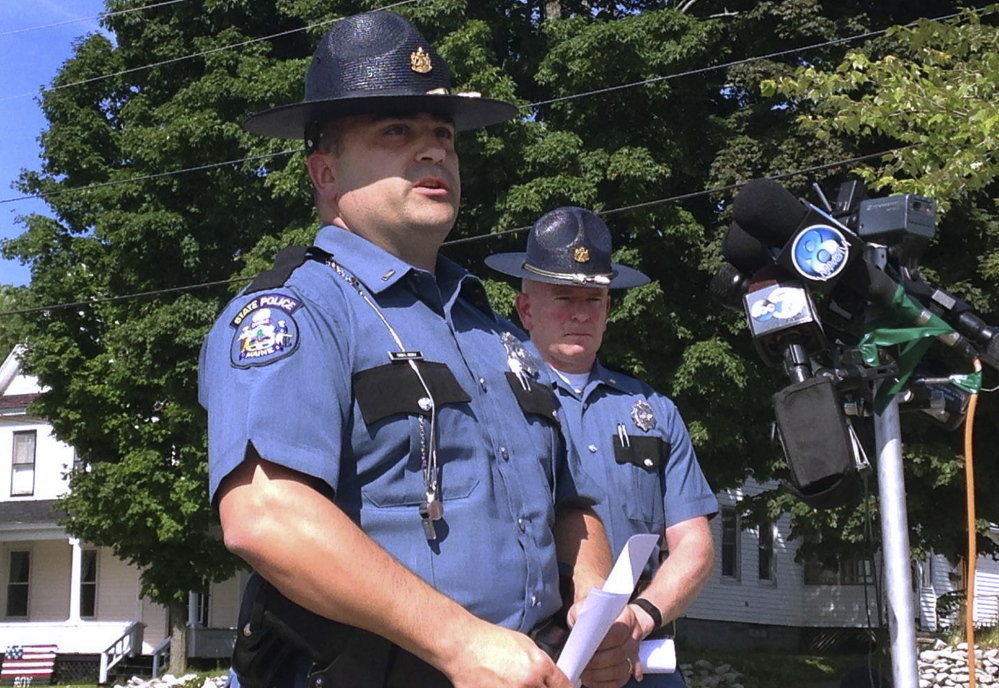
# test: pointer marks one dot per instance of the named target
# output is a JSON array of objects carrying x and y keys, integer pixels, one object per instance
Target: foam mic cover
[
  {"x": 744, "y": 251},
  {"x": 768, "y": 212}
]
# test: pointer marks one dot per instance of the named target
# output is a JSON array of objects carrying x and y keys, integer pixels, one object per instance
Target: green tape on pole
[{"x": 896, "y": 328}]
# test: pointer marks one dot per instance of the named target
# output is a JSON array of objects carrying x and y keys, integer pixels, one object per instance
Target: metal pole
[{"x": 895, "y": 548}]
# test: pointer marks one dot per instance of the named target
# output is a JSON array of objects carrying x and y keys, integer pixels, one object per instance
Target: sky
[{"x": 36, "y": 37}]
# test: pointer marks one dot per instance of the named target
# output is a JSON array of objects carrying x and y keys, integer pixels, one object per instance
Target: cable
[
  {"x": 201, "y": 54},
  {"x": 969, "y": 479},
  {"x": 158, "y": 175},
  {"x": 453, "y": 242},
  {"x": 102, "y": 15}
]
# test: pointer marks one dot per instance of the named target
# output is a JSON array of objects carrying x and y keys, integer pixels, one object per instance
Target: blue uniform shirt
[
  {"x": 303, "y": 371},
  {"x": 632, "y": 441}
]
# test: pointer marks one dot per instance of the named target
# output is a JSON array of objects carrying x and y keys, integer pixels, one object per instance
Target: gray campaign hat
[
  {"x": 373, "y": 63},
  {"x": 569, "y": 246}
]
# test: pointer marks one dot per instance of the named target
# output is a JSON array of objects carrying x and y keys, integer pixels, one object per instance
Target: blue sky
[{"x": 36, "y": 37}]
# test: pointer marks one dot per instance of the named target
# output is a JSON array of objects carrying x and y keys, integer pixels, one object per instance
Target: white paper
[
  {"x": 657, "y": 656},
  {"x": 602, "y": 606}
]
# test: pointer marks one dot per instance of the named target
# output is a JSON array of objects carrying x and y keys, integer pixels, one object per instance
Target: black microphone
[
  {"x": 745, "y": 255},
  {"x": 808, "y": 242},
  {"x": 824, "y": 253},
  {"x": 783, "y": 321}
]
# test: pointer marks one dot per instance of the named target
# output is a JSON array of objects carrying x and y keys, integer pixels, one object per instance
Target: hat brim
[
  {"x": 622, "y": 277},
  {"x": 289, "y": 121}
]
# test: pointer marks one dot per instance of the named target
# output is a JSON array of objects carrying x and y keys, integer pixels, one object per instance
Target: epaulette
[{"x": 286, "y": 262}]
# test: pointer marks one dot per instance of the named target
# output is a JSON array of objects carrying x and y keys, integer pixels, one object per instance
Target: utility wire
[
  {"x": 453, "y": 242},
  {"x": 102, "y": 15},
  {"x": 527, "y": 107},
  {"x": 201, "y": 54}
]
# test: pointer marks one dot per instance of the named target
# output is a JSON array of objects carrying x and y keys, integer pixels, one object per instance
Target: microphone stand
[{"x": 895, "y": 546}]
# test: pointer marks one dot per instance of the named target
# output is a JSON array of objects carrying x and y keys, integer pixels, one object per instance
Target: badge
[
  {"x": 519, "y": 359},
  {"x": 265, "y": 330},
  {"x": 581, "y": 254},
  {"x": 419, "y": 61},
  {"x": 642, "y": 414}
]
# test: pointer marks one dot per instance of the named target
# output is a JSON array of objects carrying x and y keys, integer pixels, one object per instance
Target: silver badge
[
  {"x": 642, "y": 414},
  {"x": 519, "y": 359}
]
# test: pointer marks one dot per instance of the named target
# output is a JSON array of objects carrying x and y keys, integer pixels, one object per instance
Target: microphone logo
[
  {"x": 781, "y": 304},
  {"x": 820, "y": 252}
]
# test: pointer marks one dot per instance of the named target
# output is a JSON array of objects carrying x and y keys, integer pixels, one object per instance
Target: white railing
[
  {"x": 161, "y": 656},
  {"x": 128, "y": 645}
]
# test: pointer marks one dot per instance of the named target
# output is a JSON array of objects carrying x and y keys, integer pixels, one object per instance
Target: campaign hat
[
  {"x": 570, "y": 246},
  {"x": 376, "y": 63}
]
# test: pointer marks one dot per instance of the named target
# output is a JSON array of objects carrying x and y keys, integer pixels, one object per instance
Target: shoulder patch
[{"x": 265, "y": 330}]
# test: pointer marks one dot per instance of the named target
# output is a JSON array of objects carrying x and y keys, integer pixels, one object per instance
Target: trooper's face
[
  {"x": 567, "y": 323},
  {"x": 393, "y": 180}
]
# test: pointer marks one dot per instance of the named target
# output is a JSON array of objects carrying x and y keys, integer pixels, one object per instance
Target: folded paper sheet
[{"x": 602, "y": 606}]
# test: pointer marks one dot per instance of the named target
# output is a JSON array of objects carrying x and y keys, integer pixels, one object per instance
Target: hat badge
[
  {"x": 581, "y": 254},
  {"x": 419, "y": 61}
]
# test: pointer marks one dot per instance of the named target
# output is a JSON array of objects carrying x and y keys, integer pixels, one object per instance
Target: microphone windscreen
[
  {"x": 768, "y": 211},
  {"x": 747, "y": 253}
]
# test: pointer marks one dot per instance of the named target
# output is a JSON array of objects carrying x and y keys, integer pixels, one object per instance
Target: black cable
[{"x": 454, "y": 242}]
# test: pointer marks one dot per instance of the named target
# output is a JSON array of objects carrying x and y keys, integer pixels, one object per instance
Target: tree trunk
[{"x": 178, "y": 639}]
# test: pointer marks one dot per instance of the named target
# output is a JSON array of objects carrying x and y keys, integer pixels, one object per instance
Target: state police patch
[{"x": 265, "y": 330}]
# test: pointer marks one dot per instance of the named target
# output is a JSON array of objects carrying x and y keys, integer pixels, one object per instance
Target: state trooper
[
  {"x": 630, "y": 437},
  {"x": 382, "y": 448}
]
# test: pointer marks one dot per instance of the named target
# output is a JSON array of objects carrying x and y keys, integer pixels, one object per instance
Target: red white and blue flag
[{"x": 27, "y": 662}]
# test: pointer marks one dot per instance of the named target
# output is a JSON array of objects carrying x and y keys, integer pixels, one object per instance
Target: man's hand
[
  {"x": 496, "y": 657},
  {"x": 616, "y": 659}
]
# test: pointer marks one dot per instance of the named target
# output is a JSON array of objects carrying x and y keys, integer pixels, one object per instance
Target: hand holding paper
[{"x": 602, "y": 606}]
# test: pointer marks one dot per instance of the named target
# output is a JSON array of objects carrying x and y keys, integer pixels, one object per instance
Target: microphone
[
  {"x": 783, "y": 321},
  {"x": 745, "y": 255},
  {"x": 824, "y": 253},
  {"x": 808, "y": 242}
]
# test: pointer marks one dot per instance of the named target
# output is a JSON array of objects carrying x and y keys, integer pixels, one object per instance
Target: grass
[{"x": 767, "y": 670}]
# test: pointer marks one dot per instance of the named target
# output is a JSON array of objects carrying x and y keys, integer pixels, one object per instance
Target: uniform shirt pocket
[{"x": 642, "y": 459}]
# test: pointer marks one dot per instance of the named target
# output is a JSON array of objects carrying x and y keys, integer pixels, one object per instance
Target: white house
[
  {"x": 58, "y": 590},
  {"x": 758, "y": 597}
]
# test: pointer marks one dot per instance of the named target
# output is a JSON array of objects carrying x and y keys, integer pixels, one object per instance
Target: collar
[{"x": 377, "y": 269}]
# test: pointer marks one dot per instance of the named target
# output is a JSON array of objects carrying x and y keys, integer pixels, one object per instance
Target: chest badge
[
  {"x": 643, "y": 416},
  {"x": 519, "y": 359}
]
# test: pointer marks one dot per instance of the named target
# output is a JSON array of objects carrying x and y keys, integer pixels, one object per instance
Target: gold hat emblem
[
  {"x": 419, "y": 61},
  {"x": 581, "y": 255}
]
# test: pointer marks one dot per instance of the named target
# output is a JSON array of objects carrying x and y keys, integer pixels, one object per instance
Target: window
[
  {"x": 22, "y": 478},
  {"x": 836, "y": 570},
  {"x": 17, "y": 585},
  {"x": 729, "y": 543},
  {"x": 88, "y": 584},
  {"x": 767, "y": 562},
  {"x": 203, "y": 608}
]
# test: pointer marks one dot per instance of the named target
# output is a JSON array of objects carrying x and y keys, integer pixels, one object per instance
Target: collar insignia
[
  {"x": 581, "y": 255},
  {"x": 642, "y": 414},
  {"x": 519, "y": 359},
  {"x": 419, "y": 61}
]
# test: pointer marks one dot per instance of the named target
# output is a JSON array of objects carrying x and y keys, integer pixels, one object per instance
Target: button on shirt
[
  {"x": 289, "y": 389},
  {"x": 639, "y": 498}
]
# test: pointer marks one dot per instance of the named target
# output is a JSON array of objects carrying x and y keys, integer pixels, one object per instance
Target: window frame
[
  {"x": 13, "y": 585},
  {"x": 89, "y": 584},
  {"x": 19, "y": 465},
  {"x": 730, "y": 513}
]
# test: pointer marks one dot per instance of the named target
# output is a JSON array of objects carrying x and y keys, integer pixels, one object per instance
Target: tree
[{"x": 651, "y": 112}]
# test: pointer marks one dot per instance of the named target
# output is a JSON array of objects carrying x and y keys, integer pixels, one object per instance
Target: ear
[
  {"x": 321, "y": 172},
  {"x": 523, "y": 304}
]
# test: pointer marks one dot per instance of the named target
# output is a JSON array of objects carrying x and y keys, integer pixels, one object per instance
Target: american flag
[{"x": 27, "y": 661}]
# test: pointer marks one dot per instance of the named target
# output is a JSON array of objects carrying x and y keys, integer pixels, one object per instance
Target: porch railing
[{"x": 127, "y": 645}]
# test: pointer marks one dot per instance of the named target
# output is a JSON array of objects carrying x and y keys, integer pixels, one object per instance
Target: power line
[
  {"x": 454, "y": 242},
  {"x": 527, "y": 107},
  {"x": 102, "y": 15},
  {"x": 201, "y": 54}
]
